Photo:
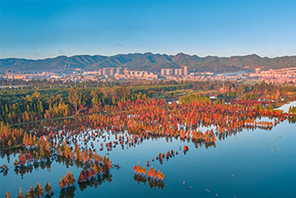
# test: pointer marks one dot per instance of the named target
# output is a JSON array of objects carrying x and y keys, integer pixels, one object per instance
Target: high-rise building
[
  {"x": 104, "y": 71},
  {"x": 163, "y": 72},
  {"x": 125, "y": 71},
  {"x": 169, "y": 72},
  {"x": 257, "y": 70},
  {"x": 111, "y": 71},
  {"x": 176, "y": 72},
  {"x": 118, "y": 70},
  {"x": 181, "y": 72},
  {"x": 185, "y": 70},
  {"x": 100, "y": 72}
]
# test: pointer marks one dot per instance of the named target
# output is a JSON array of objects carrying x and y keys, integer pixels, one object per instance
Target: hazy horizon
[{"x": 241, "y": 55}]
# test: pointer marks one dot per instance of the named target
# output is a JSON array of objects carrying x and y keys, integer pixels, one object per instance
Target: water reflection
[
  {"x": 46, "y": 163},
  {"x": 153, "y": 183},
  {"x": 90, "y": 138},
  {"x": 95, "y": 182},
  {"x": 68, "y": 192}
]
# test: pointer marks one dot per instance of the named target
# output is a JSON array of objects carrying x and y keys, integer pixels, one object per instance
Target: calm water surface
[{"x": 252, "y": 163}]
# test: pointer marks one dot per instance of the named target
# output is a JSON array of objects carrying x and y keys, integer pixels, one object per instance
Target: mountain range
[{"x": 149, "y": 62}]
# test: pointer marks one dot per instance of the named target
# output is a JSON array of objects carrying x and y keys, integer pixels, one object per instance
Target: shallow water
[
  {"x": 285, "y": 107},
  {"x": 252, "y": 163}
]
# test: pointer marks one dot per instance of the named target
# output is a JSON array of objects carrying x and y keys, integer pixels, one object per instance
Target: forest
[{"x": 54, "y": 122}]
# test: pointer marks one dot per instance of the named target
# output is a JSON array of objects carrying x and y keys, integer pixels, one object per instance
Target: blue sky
[{"x": 39, "y": 29}]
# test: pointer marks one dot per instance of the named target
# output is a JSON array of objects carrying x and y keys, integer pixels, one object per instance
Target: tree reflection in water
[
  {"x": 153, "y": 183},
  {"x": 95, "y": 182}
]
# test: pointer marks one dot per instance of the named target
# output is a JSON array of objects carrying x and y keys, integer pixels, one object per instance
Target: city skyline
[{"x": 44, "y": 29}]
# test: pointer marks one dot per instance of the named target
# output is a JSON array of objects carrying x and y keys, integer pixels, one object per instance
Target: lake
[{"x": 252, "y": 163}]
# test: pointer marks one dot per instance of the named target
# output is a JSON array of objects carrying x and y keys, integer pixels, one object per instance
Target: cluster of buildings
[
  {"x": 119, "y": 73},
  {"x": 174, "y": 72},
  {"x": 78, "y": 75},
  {"x": 278, "y": 76},
  {"x": 285, "y": 75},
  {"x": 210, "y": 76},
  {"x": 106, "y": 71},
  {"x": 26, "y": 76}
]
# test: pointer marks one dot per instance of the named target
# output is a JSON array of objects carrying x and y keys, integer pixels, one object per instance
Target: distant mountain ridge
[{"x": 150, "y": 62}]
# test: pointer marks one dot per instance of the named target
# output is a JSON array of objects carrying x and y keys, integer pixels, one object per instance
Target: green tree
[
  {"x": 113, "y": 100},
  {"x": 74, "y": 98},
  {"x": 174, "y": 94},
  {"x": 167, "y": 94},
  {"x": 241, "y": 89}
]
